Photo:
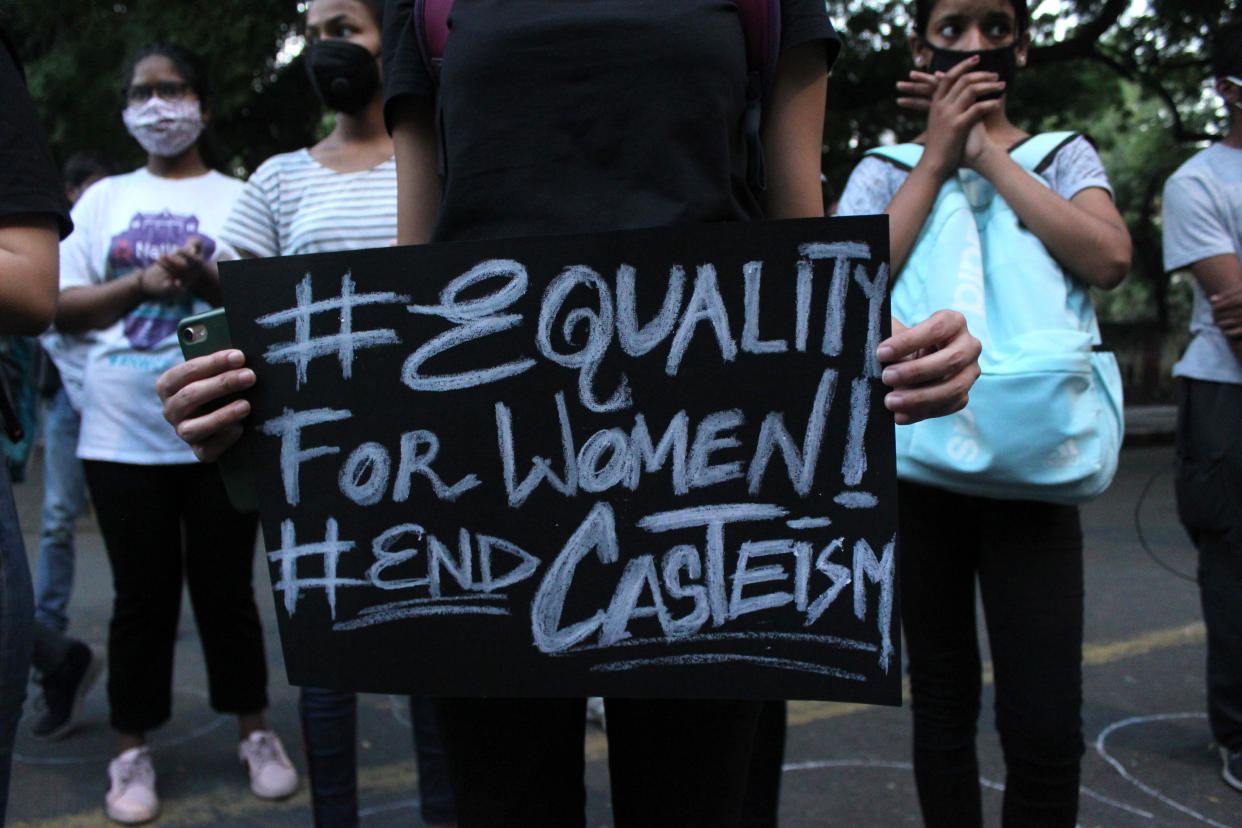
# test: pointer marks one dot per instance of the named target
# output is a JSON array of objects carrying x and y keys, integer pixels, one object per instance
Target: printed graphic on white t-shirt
[{"x": 148, "y": 237}]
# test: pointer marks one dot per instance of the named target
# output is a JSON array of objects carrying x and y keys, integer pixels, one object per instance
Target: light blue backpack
[{"x": 1044, "y": 420}]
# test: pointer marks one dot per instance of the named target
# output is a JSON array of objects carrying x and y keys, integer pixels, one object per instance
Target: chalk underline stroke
[
  {"x": 417, "y": 607},
  {"x": 831, "y": 640},
  {"x": 692, "y": 659}
]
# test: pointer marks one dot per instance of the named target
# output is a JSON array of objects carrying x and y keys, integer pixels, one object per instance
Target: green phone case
[{"x": 201, "y": 334}]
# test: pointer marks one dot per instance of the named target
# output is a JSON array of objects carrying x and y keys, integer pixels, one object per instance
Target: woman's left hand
[
  {"x": 931, "y": 367},
  {"x": 186, "y": 264}
]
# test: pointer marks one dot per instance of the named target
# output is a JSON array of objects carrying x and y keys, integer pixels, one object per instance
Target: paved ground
[{"x": 1150, "y": 759}]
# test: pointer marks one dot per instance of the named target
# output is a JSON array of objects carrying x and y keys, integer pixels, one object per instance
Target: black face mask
[
  {"x": 1002, "y": 61},
  {"x": 343, "y": 74}
]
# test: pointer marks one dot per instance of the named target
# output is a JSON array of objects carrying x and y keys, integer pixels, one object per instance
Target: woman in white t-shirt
[
  {"x": 136, "y": 264},
  {"x": 1026, "y": 555}
]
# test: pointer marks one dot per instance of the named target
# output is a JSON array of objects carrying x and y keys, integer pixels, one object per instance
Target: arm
[
  {"x": 1221, "y": 279},
  {"x": 29, "y": 270},
  {"x": 418, "y": 182},
  {"x": 1196, "y": 235},
  {"x": 1086, "y": 234},
  {"x": 89, "y": 307},
  {"x": 793, "y": 134},
  {"x": 953, "y": 109},
  {"x": 909, "y": 209},
  {"x": 938, "y": 360},
  {"x": 1227, "y": 312}
]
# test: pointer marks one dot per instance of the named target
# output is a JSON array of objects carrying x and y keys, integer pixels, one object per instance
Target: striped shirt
[{"x": 293, "y": 205}]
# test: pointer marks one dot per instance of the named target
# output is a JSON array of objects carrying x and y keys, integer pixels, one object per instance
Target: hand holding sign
[
  {"x": 187, "y": 390},
  {"x": 934, "y": 365}
]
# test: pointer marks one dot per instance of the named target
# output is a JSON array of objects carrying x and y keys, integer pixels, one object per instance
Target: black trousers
[
  {"x": 163, "y": 524},
  {"x": 1209, "y": 505},
  {"x": 1027, "y": 560},
  {"x": 518, "y": 763}
]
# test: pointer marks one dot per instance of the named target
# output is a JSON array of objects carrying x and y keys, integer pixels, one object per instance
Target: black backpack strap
[
  {"x": 761, "y": 29},
  {"x": 1047, "y": 160}
]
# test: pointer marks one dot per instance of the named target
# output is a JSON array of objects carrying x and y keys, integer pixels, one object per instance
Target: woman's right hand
[
  {"x": 185, "y": 388},
  {"x": 951, "y": 101}
]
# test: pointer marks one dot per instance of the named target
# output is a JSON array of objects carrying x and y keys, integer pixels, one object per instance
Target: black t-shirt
[
  {"x": 564, "y": 117},
  {"x": 29, "y": 182}
]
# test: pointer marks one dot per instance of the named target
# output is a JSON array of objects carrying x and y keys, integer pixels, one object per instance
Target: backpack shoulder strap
[
  {"x": 1038, "y": 152},
  {"x": 761, "y": 29},
  {"x": 431, "y": 23},
  {"x": 904, "y": 156},
  {"x": 761, "y": 26}
]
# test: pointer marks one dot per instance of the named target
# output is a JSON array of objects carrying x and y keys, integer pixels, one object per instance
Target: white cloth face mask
[{"x": 164, "y": 128}]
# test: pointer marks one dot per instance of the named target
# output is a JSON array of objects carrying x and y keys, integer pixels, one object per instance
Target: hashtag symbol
[
  {"x": 329, "y": 550},
  {"x": 344, "y": 343}
]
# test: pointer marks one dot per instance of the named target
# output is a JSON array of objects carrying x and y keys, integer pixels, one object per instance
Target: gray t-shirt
[
  {"x": 1202, "y": 218},
  {"x": 875, "y": 181}
]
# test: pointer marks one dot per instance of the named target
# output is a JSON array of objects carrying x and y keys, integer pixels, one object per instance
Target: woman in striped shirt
[{"x": 339, "y": 194}]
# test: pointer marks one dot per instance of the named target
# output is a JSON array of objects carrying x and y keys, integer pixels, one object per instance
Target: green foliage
[
  {"x": 1131, "y": 74},
  {"x": 1140, "y": 153},
  {"x": 75, "y": 52}
]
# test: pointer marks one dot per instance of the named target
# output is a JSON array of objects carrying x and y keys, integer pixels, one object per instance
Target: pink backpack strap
[
  {"x": 761, "y": 25},
  {"x": 431, "y": 19}
]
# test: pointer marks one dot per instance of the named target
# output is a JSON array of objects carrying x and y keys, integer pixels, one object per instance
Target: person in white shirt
[
  {"x": 1202, "y": 211},
  {"x": 134, "y": 267}
]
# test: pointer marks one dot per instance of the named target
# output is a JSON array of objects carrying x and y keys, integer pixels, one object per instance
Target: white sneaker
[
  {"x": 131, "y": 797},
  {"x": 1231, "y": 767},
  {"x": 271, "y": 774}
]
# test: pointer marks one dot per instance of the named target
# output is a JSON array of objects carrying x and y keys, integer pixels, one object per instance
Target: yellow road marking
[
  {"x": 1096, "y": 654},
  {"x": 1093, "y": 655}
]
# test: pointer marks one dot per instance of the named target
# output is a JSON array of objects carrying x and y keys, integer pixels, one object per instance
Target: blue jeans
[
  {"x": 329, "y": 731},
  {"x": 16, "y": 621},
  {"x": 64, "y": 498}
]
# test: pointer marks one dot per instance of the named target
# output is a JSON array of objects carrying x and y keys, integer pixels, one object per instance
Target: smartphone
[{"x": 201, "y": 334}]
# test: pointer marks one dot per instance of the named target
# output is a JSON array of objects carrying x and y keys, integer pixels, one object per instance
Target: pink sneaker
[{"x": 271, "y": 774}]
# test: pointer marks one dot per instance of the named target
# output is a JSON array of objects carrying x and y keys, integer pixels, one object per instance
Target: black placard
[{"x": 646, "y": 463}]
